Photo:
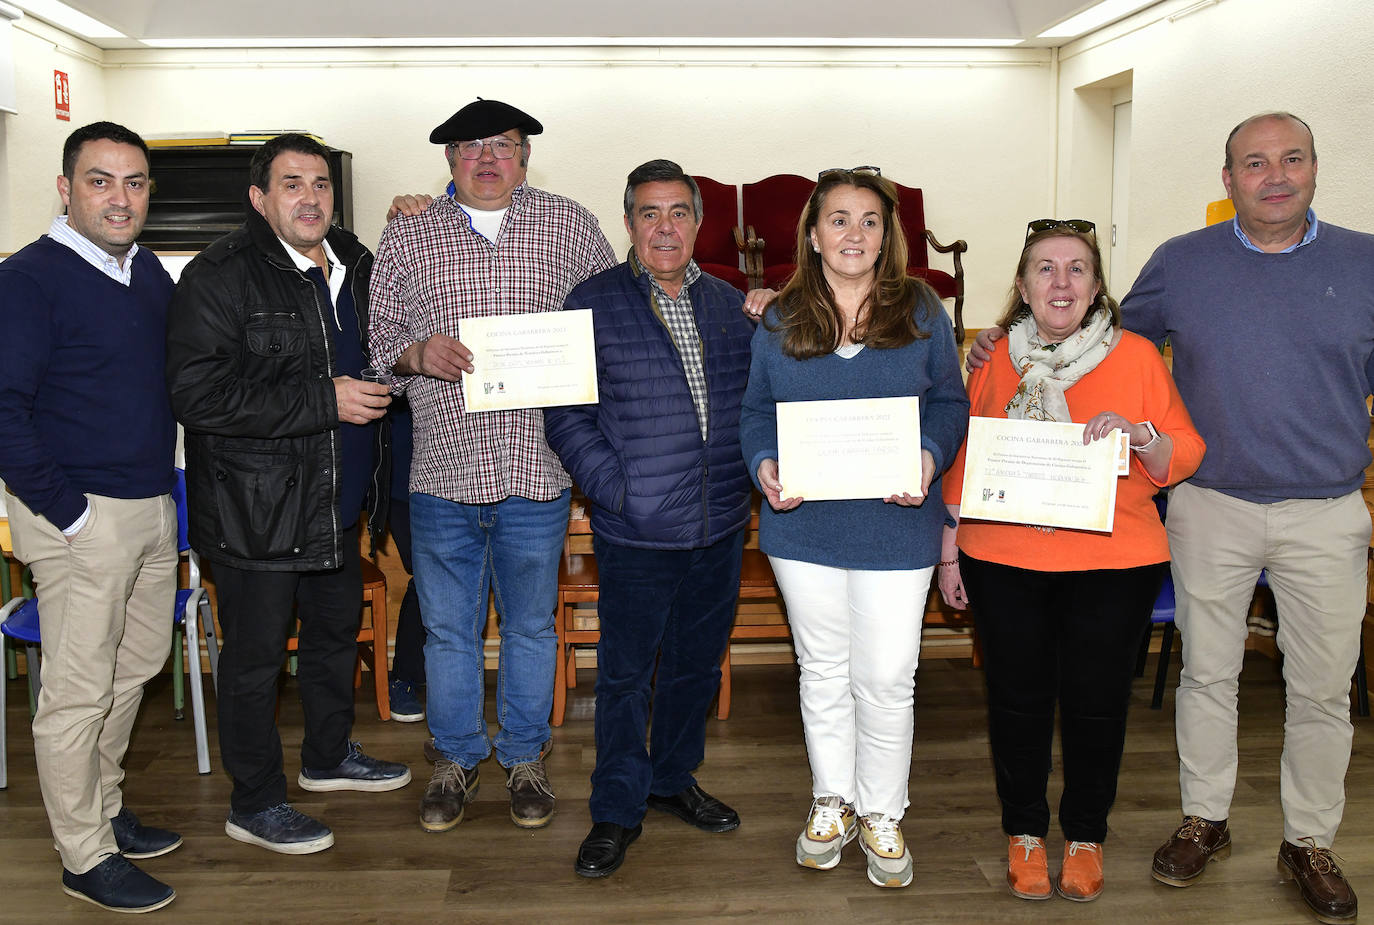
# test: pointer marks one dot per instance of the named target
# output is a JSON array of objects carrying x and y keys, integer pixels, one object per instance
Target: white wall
[
  {"x": 31, "y": 142},
  {"x": 940, "y": 120},
  {"x": 1195, "y": 78},
  {"x": 994, "y": 137}
]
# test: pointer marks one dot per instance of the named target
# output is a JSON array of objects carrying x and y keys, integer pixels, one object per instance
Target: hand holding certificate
[
  {"x": 530, "y": 361},
  {"x": 1041, "y": 473},
  {"x": 850, "y": 448}
]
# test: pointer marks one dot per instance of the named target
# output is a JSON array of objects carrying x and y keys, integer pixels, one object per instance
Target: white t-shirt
[{"x": 486, "y": 223}]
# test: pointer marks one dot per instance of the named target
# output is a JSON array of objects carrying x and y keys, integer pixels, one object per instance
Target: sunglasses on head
[
  {"x": 866, "y": 169},
  {"x": 1080, "y": 225}
]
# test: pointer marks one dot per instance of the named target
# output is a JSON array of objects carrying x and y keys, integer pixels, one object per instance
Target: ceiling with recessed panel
[{"x": 732, "y": 21}]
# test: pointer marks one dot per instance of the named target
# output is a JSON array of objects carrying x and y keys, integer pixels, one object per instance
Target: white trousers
[
  {"x": 858, "y": 637},
  {"x": 1315, "y": 552}
]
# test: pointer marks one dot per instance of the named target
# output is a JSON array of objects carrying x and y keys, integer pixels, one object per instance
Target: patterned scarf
[{"x": 1048, "y": 369}]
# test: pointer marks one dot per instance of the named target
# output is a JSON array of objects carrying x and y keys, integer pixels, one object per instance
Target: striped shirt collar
[
  {"x": 64, "y": 234},
  {"x": 1308, "y": 237}
]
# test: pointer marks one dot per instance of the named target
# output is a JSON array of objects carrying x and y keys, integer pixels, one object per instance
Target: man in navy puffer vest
[{"x": 658, "y": 457}]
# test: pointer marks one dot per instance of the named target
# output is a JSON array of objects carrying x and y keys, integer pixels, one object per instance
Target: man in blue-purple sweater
[
  {"x": 1271, "y": 320},
  {"x": 87, "y": 459}
]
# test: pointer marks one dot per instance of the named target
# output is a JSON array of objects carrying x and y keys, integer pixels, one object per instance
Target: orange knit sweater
[{"x": 1131, "y": 381}]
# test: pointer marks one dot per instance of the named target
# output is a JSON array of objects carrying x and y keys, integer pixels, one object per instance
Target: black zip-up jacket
[{"x": 250, "y": 367}]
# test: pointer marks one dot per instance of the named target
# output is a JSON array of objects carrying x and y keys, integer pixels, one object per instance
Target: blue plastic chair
[
  {"x": 1163, "y": 613},
  {"x": 191, "y": 612}
]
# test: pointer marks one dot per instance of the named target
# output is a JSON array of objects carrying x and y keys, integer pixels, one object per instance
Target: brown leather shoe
[
  {"x": 1323, "y": 886},
  {"x": 531, "y": 798},
  {"x": 449, "y": 788},
  {"x": 1183, "y": 858}
]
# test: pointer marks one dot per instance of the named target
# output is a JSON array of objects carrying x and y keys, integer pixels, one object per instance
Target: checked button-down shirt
[{"x": 433, "y": 270}]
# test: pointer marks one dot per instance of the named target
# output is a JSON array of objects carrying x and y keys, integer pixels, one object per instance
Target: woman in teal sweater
[{"x": 855, "y": 574}]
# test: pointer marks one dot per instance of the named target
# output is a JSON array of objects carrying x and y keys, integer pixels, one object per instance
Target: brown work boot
[
  {"x": 449, "y": 788},
  {"x": 531, "y": 798},
  {"x": 1183, "y": 858},
  {"x": 1323, "y": 886}
]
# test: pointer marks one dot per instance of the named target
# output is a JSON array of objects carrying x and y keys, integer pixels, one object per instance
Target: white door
[{"x": 1118, "y": 281}]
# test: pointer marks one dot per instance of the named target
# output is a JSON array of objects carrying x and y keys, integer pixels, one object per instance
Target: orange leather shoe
[
  {"x": 1080, "y": 879},
  {"x": 1028, "y": 867}
]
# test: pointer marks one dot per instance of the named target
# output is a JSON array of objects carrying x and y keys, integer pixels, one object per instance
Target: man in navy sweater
[
  {"x": 87, "y": 460},
  {"x": 659, "y": 459}
]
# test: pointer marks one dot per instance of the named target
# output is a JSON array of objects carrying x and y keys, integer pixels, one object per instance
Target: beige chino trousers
[
  {"x": 1315, "y": 552},
  {"x": 105, "y": 612}
]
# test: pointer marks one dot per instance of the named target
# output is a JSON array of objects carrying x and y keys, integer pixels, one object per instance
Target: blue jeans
[
  {"x": 669, "y": 609},
  {"x": 462, "y": 552}
]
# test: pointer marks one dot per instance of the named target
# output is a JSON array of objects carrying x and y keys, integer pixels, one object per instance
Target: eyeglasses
[
  {"x": 1080, "y": 225},
  {"x": 866, "y": 169},
  {"x": 502, "y": 148}
]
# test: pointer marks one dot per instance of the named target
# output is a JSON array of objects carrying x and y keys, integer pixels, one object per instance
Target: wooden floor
[{"x": 383, "y": 868}]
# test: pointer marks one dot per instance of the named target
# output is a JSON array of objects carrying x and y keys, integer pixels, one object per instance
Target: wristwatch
[{"x": 1154, "y": 438}]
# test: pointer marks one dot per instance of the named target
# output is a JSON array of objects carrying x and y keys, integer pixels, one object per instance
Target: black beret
[{"x": 483, "y": 118}]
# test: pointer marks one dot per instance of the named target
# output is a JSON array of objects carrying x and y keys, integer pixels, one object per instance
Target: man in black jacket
[{"x": 266, "y": 341}]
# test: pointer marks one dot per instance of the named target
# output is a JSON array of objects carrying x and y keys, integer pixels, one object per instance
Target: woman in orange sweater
[{"x": 1061, "y": 613}]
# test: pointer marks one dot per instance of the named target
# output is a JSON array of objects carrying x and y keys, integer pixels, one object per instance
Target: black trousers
[
  {"x": 256, "y": 615},
  {"x": 409, "y": 662},
  {"x": 1065, "y": 638}
]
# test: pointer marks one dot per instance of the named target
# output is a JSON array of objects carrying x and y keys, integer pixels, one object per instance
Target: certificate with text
[
  {"x": 849, "y": 448},
  {"x": 1038, "y": 472},
  {"x": 533, "y": 360}
]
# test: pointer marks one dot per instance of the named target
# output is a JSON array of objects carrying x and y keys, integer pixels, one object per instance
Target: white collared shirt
[
  {"x": 335, "y": 277},
  {"x": 63, "y": 233}
]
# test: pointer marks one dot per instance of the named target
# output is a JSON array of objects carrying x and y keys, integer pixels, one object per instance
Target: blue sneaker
[
  {"x": 139, "y": 841},
  {"x": 280, "y": 829},
  {"x": 356, "y": 772},
  {"x": 405, "y": 706},
  {"x": 116, "y": 884}
]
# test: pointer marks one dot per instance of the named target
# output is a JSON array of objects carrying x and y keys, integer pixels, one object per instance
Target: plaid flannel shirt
[
  {"x": 681, "y": 321},
  {"x": 433, "y": 270}
]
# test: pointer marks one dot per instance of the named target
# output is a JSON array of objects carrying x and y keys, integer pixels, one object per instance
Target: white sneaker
[
  {"x": 889, "y": 863},
  {"x": 831, "y": 825}
]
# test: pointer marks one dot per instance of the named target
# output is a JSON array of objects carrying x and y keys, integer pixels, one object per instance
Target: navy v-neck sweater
[{"x": 83, "y": 398}]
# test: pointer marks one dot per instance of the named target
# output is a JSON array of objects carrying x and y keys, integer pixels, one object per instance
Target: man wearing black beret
[{"x": 488, "y": 498}]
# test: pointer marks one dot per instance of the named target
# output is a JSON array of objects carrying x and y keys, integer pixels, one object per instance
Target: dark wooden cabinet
[{"x": 202, "y": 193}]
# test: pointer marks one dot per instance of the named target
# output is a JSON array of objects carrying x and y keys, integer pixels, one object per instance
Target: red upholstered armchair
[
  {"x": 772, "y": 207},
  {"x": 947, "y": 286},
  {"x": 719, "y": 240}
]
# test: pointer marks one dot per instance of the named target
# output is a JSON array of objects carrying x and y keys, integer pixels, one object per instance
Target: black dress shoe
[
  {"x": 603, "y": 850},
  {"x": 699, "y": 808}
]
